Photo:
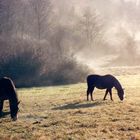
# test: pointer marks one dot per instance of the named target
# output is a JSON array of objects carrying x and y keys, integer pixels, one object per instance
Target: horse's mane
[{"x": 117, "y": 84}]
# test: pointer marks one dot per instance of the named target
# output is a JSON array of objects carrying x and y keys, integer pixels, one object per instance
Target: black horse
[
  {"x": 104, "y": 82},
  {"x": 8, "y": 92}
]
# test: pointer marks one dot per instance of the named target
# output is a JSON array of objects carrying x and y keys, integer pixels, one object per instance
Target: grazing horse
[
  {"x": 8, "y": 92},
  {"x": 104, "y": 82}
]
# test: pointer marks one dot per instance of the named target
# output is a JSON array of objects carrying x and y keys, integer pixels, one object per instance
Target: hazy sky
[{"x": 137, "y": 1}]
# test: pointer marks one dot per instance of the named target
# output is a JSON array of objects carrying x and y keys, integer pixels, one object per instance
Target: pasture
[{"x": 62, "y": 112}]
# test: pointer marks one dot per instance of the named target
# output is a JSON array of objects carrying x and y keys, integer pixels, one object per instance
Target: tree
[
  {"x": 41, "y": 12},
  {"x": 128, "y": 54},
  {"x": 90, "y": 26},
  {"x": 6, "y": 17}
]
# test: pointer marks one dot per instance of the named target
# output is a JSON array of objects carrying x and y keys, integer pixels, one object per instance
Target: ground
[{"x": 62, "y": 112}]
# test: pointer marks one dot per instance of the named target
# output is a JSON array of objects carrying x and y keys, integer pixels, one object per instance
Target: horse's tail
[
  {"x": 88, "y": 80},
  {"x": 88, "y": 84}
]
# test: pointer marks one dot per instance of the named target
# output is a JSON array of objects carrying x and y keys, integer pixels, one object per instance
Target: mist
[{"x": 51, "y": 42}]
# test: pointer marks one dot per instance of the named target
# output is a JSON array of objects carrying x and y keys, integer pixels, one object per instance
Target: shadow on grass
[
  {"x": 78, "y": 105},
  {"x": 4, "y": 114}
]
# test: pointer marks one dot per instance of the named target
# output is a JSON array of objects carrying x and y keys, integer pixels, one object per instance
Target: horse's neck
[
  {"x": 117, "y": 85},
  {"x": 14, "y": 97}
]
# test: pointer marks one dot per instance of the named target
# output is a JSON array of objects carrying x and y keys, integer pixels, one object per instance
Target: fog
[
  {"x": 51, "y": 42},
  {"x": 120, "y": 21}
]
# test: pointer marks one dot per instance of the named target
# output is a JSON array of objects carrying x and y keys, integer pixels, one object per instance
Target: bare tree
[
  {"x": 6, "y": 16},
  {"x": 90, "y": 26},
  {"x": 41, "y": 10},
  {"x": 128, "y": 54}
]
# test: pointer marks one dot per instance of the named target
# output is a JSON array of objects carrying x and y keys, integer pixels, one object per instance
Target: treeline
[
  {"x": 40, "y": 40},
  {"x": 36, "y": 46}
]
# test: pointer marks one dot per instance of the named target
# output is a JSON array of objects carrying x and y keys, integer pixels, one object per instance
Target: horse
[
  {"x": 8, "y": 92},
  {"x": 104, "y": 82}
]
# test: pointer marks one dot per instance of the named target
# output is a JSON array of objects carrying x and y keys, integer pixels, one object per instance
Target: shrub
[
  {"x": 23, "y": 66},
  {"x": 69, "y": 71}
]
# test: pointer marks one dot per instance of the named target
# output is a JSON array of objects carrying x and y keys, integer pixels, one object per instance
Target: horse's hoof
[
  {"x": 1, "y": 113},
  {"x": 14, "y": 118}
]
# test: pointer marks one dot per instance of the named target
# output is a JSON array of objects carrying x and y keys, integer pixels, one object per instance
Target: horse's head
[
  {"x": 14, "y": 111},
  {"x": 121, "y": 94}
]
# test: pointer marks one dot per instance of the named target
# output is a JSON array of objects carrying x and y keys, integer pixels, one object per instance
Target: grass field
[{"x": 62, "y": 112}]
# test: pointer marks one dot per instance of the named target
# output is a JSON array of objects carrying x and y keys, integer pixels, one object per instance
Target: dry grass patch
[{"x": 62, "y": 112}]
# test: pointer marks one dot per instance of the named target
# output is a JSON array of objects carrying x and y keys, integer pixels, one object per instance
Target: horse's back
[
  {"x": 96, "y": 77},
  {"x": 93, "y": 77},
  {"x": 105, "y": 81},
  {"x": 6, "y": 81}
]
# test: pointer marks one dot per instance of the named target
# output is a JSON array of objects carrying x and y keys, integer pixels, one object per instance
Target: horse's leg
[
  {"x": 1, "y": 107},
  {"x": 88, "y": 92},
  {"x": 12, "y": 110},
  {"x": 110, "y": 91},
  {"x": 105, "y": 94},
  {"x": 11, "y": 107},
  {"x": 92, "y": 89}
]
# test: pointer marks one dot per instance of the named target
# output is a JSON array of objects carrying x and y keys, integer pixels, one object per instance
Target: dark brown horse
[
  {"x": 104, "y": 82},
  {"x": 8, "y": 92}
]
